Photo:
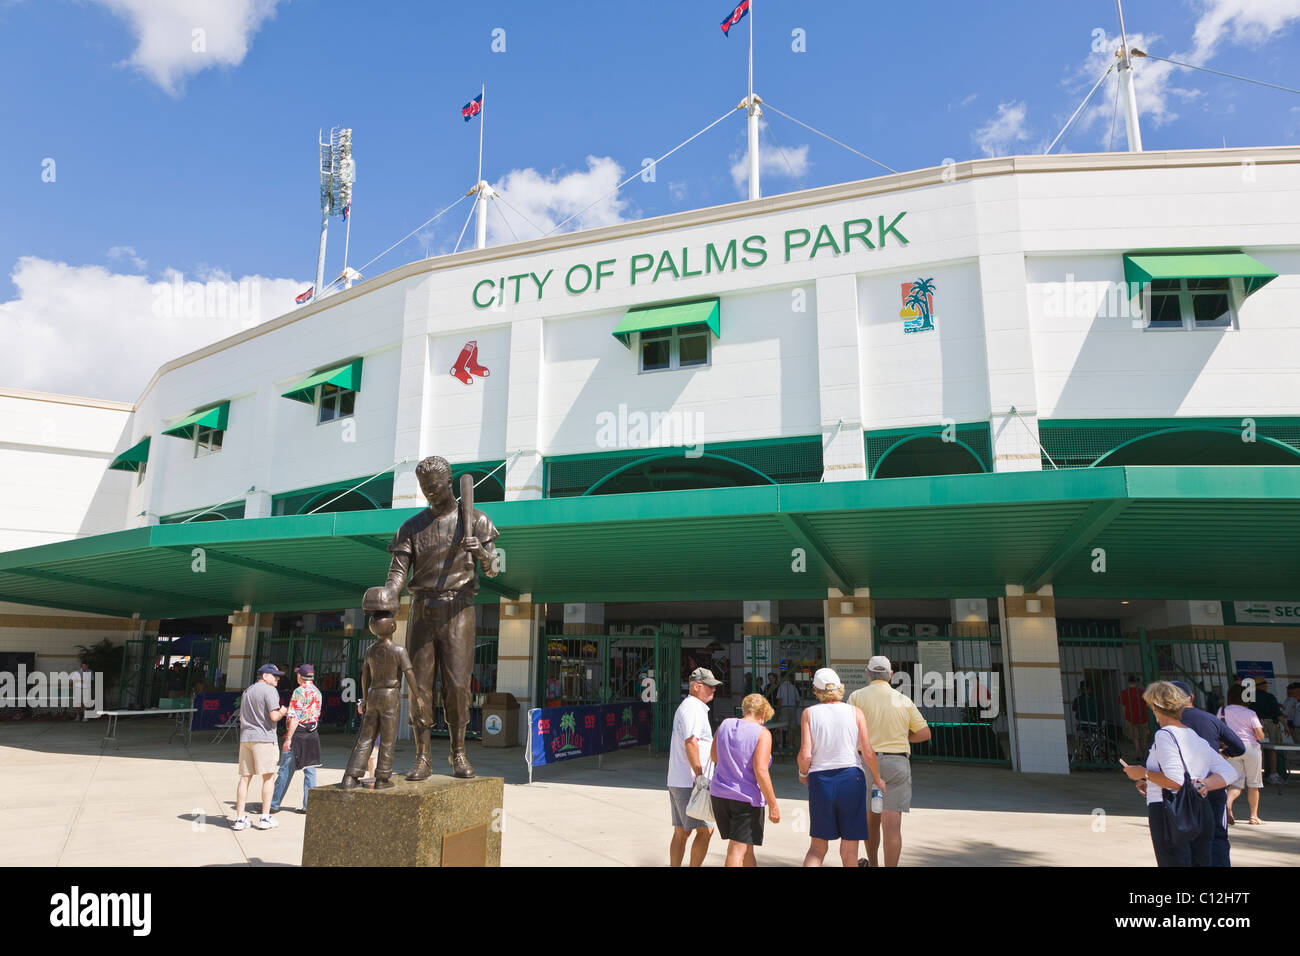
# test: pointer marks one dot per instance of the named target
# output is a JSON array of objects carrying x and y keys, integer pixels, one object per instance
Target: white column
[
  {"x": 1008, "y": 344},
  {"x": 524, "y": 473},
  {"x": 1031, "y": 665},
  {"x": 839, "y": 376},
  {"x": 517, "y": 649},
  {"x": 413, "y": 386},
  {"x": 850, "y": 627}
]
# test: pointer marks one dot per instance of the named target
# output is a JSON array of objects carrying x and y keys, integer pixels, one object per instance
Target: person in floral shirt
[{"x": 301, "y": 749}]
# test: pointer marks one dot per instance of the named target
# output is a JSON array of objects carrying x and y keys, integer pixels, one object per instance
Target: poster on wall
[
  {"x": 936, "y": 656},
  {"x": 918, "y": 306}
]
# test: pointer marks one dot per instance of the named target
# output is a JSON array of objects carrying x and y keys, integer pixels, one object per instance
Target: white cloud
[
  {"x": 84, "y": 330},
  {"x": 793, "y": 165},
  {"x": 999, "y": 136},
  {"x": 545, "y": 200},
  {"x": 178, "y": 38},
  {"x": 127, "y": 252}
]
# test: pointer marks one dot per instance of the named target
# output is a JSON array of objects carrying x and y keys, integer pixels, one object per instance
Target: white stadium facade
[{"x": 1035, "y": 418}]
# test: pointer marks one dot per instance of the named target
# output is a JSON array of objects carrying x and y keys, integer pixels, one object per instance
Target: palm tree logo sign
[{"x": 918, "y": 306}]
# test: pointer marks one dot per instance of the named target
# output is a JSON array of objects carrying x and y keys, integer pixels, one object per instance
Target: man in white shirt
[
  {"x": 787, "y": 695},
  {"x": 691, "y": 742}
]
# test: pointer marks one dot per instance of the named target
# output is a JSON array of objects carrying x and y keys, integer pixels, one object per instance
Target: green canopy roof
[
  {"x": 347, "y": 375},
  {"x": 1140, "y": 269},
  {"x": 650, "y": 317},
  {"x": 214, "y": 417},
  {"x": 1168, "y": 532},
  {"x": 133, "y": 459}
]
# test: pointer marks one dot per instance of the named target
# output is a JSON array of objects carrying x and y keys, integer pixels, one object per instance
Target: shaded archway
[
  {"x": 918, "y": 455},
  {"x": 1200, "y": 446},
  {"x": 676, "y": 472},
  {"x": 487, "y": 487},
  {"x": 332, "y": 502}
]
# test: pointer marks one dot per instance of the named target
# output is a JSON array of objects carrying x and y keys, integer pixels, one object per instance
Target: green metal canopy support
[
  {"x": 214, "y": 417},
  {"x": 133, "y": 459},
  {"x": 1141, "y": 268},
  {"x": 810, "y": 540},
  {"x": 347, "y": 375},
  {"x": 1082, "y": 533},
  {"x": 83, "y": 581},
  {"x": 651, "y": 317}
]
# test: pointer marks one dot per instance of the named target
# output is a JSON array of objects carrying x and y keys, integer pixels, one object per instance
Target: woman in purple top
[{"x": 741, "y": 785}]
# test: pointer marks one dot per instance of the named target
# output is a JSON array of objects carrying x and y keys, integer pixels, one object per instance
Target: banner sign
[
  {"x": 212, "y": 709},
  {"x": 556, "y": 734}
]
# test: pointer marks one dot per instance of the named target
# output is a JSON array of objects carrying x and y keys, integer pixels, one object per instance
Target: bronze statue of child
[{"x": 381, "y": 692}]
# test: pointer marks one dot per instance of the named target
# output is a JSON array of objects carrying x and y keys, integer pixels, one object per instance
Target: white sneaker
[
  {"x": 267, "y": 823},
  {"x": 240, "y": 824}
]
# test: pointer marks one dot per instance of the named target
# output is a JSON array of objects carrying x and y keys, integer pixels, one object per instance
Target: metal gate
[
  {"x": 577, "y": 670},
  {"x": 147, "y": 677},
  {"x": 768, "y": 662},
  {"x": 955, "y": 678},
  {"x": 1097, "y": 662}
]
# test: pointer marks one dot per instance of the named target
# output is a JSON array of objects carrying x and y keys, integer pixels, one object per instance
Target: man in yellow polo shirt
[{"x": 893, "y": 724}]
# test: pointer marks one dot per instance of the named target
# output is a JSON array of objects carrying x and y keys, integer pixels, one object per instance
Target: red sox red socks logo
[{"x": 467, "y": 366}]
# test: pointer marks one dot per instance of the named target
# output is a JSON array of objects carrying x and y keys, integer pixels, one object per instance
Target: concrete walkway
[{"x": 63, "y": 803}]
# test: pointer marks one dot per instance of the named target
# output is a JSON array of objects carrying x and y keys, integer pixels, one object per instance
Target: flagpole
[
  {"x": 754, "y": 113},
  {"x": 347, "y": 234},
  {"x": 480, "y": 227}
]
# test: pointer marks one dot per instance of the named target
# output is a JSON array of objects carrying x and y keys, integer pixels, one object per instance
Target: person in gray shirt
[{"x": 259, "y": 711}]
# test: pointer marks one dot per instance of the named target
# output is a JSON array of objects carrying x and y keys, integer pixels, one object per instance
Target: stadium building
[{"x": 1033, "y": 419}]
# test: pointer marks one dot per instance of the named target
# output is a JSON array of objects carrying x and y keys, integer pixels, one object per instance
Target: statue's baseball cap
[
  {"x": 703, "y": 675},
  {"x": 270, "y": 669},
  {"x": 825, "y": 677}
]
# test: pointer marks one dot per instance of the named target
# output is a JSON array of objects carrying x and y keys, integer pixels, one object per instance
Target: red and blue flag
[
  {"x": 306, "y": 296},
  {"x": 475, "y": 106},
  {"x": 735, "y": 17}
]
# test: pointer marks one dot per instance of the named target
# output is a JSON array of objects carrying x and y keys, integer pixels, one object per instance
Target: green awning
[
  {"x": 214, "y": 417},
  {"x": 347, "y": 376},
  {"x": 133, "y": 459},
  {"x": 1140, "y": 269},
  {"x": 650, "y": 317}
]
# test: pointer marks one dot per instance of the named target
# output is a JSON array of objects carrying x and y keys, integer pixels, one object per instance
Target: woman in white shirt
[{"x": 1176, "y": 748}]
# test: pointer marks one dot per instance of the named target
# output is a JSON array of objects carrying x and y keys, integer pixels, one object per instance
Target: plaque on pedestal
[{"x": 441, "y": 821}]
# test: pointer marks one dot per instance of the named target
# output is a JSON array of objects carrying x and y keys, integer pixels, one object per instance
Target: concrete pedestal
[{"x": 442, "y": 821}]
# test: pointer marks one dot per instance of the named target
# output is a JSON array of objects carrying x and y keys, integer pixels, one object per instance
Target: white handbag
[{"x": 700, "y": 806}]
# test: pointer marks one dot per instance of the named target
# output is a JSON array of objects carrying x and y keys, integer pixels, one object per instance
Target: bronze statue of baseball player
[{"x": 438, "y": 548}]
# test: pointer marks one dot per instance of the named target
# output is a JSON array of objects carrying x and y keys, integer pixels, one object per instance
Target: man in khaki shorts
[
  {"x": 893, "y": 724},
  {"x": 259, "y": 710}
]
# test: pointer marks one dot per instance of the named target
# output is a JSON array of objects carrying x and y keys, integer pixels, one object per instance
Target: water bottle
[{"x": 877, "y": 799}]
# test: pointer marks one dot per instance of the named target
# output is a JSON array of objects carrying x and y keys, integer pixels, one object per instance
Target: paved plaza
[{"x": 151, "y": 803}]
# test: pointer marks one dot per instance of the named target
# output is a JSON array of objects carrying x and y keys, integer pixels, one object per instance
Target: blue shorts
[{"x": 837, "y": 804}]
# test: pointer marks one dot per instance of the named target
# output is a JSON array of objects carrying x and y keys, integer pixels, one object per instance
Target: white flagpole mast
[
  {"x": 754, "y": 113},
  {"x": 1126, "y": 85},
  {"x": 480, "y": 227}
]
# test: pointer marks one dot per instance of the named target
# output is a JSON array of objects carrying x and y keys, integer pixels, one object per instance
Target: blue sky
[{"x": 203, "y": 163}]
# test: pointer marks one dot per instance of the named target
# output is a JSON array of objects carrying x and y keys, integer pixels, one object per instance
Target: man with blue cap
[{"x": 259, "y": 711}]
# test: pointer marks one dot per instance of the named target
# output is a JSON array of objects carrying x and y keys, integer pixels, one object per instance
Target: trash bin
[{"x": 501, "y": 720}]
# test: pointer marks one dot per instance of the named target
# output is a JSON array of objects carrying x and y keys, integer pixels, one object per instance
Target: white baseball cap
[
  {"x": 879, "y": 663},
  {"x": 824, "y": 678}
]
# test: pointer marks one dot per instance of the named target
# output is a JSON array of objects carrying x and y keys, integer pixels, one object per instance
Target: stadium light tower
[{"x": 337, "y": 173}]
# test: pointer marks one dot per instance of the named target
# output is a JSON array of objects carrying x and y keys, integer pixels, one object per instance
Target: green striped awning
[
  {"x": 650, "y": 317},
  {"x": 1140, "y": 269},
  {"x": 214, "y": 417},
  {"x": 133, "y": 459},
  {"x": 347, "y": 375}
]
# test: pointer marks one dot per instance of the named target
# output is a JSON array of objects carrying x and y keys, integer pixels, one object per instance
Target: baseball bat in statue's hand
[{"x": 469, "y": 542}]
